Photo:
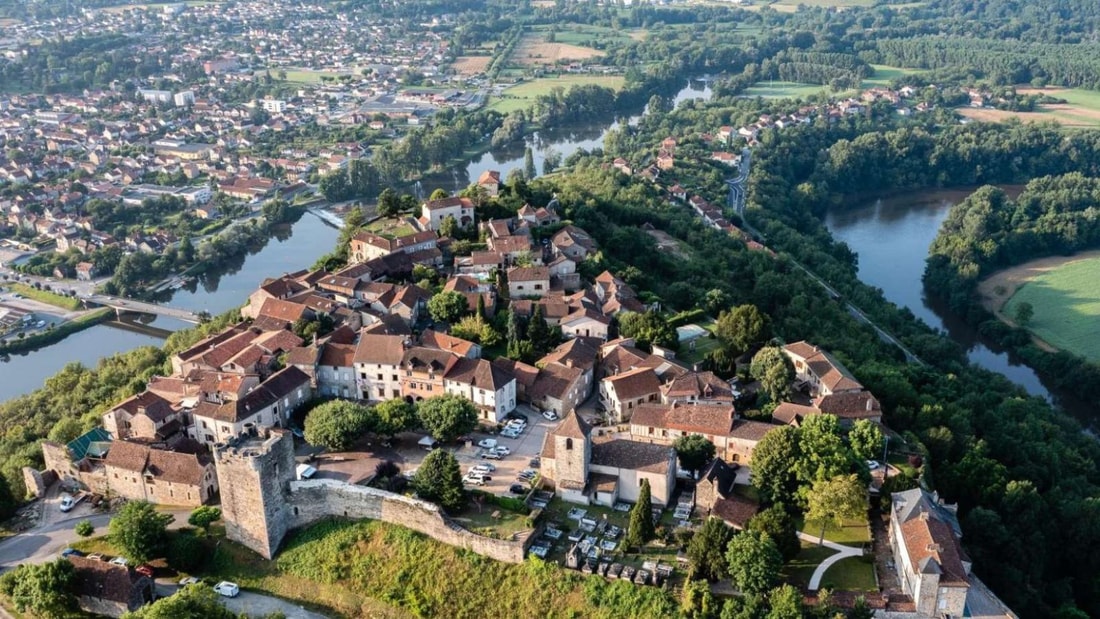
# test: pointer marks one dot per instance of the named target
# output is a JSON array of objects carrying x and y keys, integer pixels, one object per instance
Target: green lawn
[
  {"x": 783, "y": 90},
  {"x": 853, "y": 533},
  {"x": 43, "y": 296},
  {"x": 390, "y": 228},
  {"x": 1066, "y": 302},
  {"x": 583, "y": 34},
  {"x": 851, "y": 574},
  {"x": 493, "y": 520},
  {"x": 523, "y": 95},
  {"x": 799, "y": 570},
  {"x": 304, "y": 76},
  {"x": 703, "y": 345},
  {"x": 885, "y": 74}
]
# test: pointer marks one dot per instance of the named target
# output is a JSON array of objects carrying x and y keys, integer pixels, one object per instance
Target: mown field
[
  {"x": 885, "y": 74},
  {"x": 1066, "y": 302},
  {"x": 1081, "y": 109},
  {"x": 783, "y": 90},
  {"x": 523, "y": 95}
]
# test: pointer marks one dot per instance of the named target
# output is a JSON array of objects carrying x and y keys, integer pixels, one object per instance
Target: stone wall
[
  {"x": 317, "y": 499},
  {"x": 252, "y": 475}
]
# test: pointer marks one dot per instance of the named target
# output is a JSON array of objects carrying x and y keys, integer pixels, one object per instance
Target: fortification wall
[{"x": 313, "y": 500}]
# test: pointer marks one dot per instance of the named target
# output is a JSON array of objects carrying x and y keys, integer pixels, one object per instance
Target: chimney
[
  {"x": 924, "y": 515},
  {"x": 934, "y": 547}
]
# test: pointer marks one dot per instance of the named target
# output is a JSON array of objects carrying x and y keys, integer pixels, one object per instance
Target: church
[{"x": 605, "y": 471}]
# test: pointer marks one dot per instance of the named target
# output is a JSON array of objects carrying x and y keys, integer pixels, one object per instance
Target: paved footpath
[{"x": 843, "y": 552}]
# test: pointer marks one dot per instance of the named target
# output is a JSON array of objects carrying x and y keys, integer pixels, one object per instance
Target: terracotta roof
[
  {"x": 278, "y": 341},
  {"x": 831, "y": 372},
  {"x": 586, "y": 314},
  {"x": 168, "y": 466},
  {"x": 634, "y": 455},
  {"x": 105, "y": 580},
  {"x": 279, "y": 386},
  {"x": 930, "y": 536},
  {"x": 554, "y": 380},
  {"x": 701, "y": 419},
  {"x": 479, "y": 373},
  {"x": 700, "y": 385},
  {"x": 634, "y": 384},
  {"x": 337, "y": 355},
  {"x": 573, "y": 427},
  {"x": 424, "y": 359},
  {"x": 155, "y": 407},
  {"x": 444, "y": 341},
  {"x": 282, "y": 310},
  {"x": 382, "y": 349},
  {"x": 390, "y": 324},
  {"x": 573, "y": 353},
  {"x": 528, "y": 274},
  {"x": 850, "y": 405},
  {"x": 789, "y": 413},
  {"x": 525, "y": 374},
  {"x": 751, "y": 430},
  {"x": 127, "y": 456},
  {"x": 444, "y": 203},
  {"x": 303, "y": 355},
  {"x": 735, "y": 510}
]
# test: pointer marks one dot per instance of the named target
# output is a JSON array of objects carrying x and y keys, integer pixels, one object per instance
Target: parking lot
[{"x": 524, "y": 447}]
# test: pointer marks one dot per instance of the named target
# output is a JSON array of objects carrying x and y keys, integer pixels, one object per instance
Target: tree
[
  {"x": 44, "y": 590},
  {"x": 778, "y": 525},
  {"x": 389, "y": 203},
  {"x": 439, "y": 194},
  {"x": 836, "y": 500},
  {"x": 439, "y": 480},
  {"x": 204, "y": 516},
  {"x": 773, "y": 463},
  {"x": 697, "y": 602},
  {"x": 192, "y": 602},
  {"x": 140, "y": 531},
  {"x": 774, "y": 371},
  {"x": 85, "y": 528},
  {"x": 641, "y": 529},
  {"x": 823, "y": 454},
  {"x": 706, "y": 550},
  {"x": 337, "y": 424},
  {"x": 529, "y": 171},
  {"x": 448, "y": 227},
  {"x": 1024, "y": 313},
  {"x": 866, "y": 439},
  {"x": 447, "y": 417},
  {"x": 714, "y": 300},
  {"x": 393, "y": 416},
  {"x": 447, "y": 306},
  {"x": 694, "y": 451},
  {"x": 754, "y": 562},
  {"x": 860, "y": 610},
  {"x": 786, "y": 603},
  {"x": 276, "y": 211},
  {"x": 186, "y": 552},
  {"x": 648, "y": 328},
  {"x": 742, "y": 328},
  {"x": 66, "y": 430}
]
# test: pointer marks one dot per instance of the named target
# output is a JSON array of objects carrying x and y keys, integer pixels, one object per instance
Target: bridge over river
[{"x": 121, "y": 306}]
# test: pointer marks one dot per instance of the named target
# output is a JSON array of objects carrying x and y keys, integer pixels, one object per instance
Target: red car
[{"x": 144, "y": 570}]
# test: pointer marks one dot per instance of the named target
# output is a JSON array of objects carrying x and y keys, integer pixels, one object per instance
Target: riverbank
[
  {"x": 56, "y": 334},
  {"x": 44, "y": 296}
]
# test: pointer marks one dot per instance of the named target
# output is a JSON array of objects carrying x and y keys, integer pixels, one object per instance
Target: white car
[
  {"x": 119, "y": 561},
  {"x": 510, "y": 433},
  {"x": 550, "y": 415},
  {"x": 487, "y": 443},
  {"x": 484, "y": 467},
  {"x": 190, "y": 580},
  {"x": 67, "y": 503},
  {"x": 226, "y": 588},
  {"x": 873, "y": 464},
  {"x": 501, "y": 450}
]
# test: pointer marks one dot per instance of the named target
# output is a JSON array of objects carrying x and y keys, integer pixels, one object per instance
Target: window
[
  {"x": 394, "y": 378},
  {"x": 569, "y": 444},
  {"x": 538, "y": 286},
  {"x": 379, "y": 377},
  {"x": 651, "y": 430},
  {"x": 299, "y": 393}
]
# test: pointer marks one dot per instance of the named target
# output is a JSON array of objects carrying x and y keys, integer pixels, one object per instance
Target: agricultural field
[
  {"x": 584, "y": 35},
  {"x": 1081, "y": 110},
  {"x": 783, "y": 90},
  {"x": 790, "y": 6},
  {"x": 1065, "y": 298},
  {"x": 534, "y": 50},
  {"x": 471, "y": 65},
  {"x": 523, "y": 95}
]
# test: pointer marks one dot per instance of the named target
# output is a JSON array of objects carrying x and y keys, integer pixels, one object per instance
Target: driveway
[{"x": 256, "y": 605}]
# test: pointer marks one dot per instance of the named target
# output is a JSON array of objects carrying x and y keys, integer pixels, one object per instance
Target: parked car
[
  {"x": 67, "y": 503},
  {"x": 491, "y": 455},
  {"x": 510, "y": 433},
  {"x": 535, "y": 462},
  {"x": 190, "y": 580},
  {"x": 71, "y": 552},
  {"x": 484, "y": 467},
  {"x": 487, "y": 443},
  {"x": 226, "y": 588},
  {"x": 95, "y": 556},
  {"x": 145, "y": 570},
  {"x": 40, "y": 324},
  {"x": 517, "y": 415},
  {"x": 873, "y": 464},
  {"x": 477, "y": 479},
  {"x": 502, "y": 450},
  {"x": 550, "y": 415},
  {"x": 120, "y": 561},
  {"x": 517, "y": 489}
]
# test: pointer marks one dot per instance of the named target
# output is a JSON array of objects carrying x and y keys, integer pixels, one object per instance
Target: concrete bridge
[{"x": 129, "y": 305}]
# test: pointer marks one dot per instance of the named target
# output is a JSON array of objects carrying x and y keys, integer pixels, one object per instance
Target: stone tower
[
  {"x": 253, "y": 474},
  {"x": 572, "y": 450}
]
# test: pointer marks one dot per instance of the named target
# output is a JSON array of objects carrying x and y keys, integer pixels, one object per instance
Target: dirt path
[{"x": 1012, "y": 278}]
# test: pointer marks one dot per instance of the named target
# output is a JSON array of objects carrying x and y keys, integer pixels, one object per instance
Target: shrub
[{"x": 85, "y": 528}]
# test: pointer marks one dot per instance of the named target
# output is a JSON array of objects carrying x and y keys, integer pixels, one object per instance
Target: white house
[{"x": 489, "y": 386}]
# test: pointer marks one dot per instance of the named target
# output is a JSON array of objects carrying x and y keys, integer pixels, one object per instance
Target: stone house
[
  {"x": 490, "y": 387},
  {"x": 526, "y": 282},
  {"x": 422, "y": 372},
  {"x": 146, "y": 415},
  {"x": 620, "y": 394},
  {"x": 715, "y": 496},
  {"x": 697, "y": 388},
  {"x": 585, "y": 323},
  {"x": 104, "y": 588},
  {"x": 141, "y": 473},
  {"x": 490, "y": 182},
  {"x": 433, "y": 212},
  {"x": 377, "y": 365},
  {"x": 336, "y": 371},
  {"x": 584, "y": 470},
  {"x": 930, "y": 561},
  {"x": 819, "y": 371},
  {"x": 222, "y": 415},
  {"x": 366, "y": 246},
  {"x": 574, "y": 243}
]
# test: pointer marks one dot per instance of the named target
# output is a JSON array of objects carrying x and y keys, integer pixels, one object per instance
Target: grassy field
[
  {"x": 390, "y": 228},
  {"x": 885, "y": 74},
  {"x": 853, "y": 533},
  {"x": 43, "y": 296},
  {"x": 799, "y": 570},
  {"x": 1081, "y": 109},
  {"x": 584, "y": 35},
  {"x": 783, "y": 90},
  {"x": 851, "y": 574},
  {"x": 523, "y": 95},
  {"x": 1066, "y": 302}
]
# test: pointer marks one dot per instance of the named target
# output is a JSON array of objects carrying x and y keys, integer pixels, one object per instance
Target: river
[
  {"x": 290, "y": 249},
  {"x": 892, "y": 236}
]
